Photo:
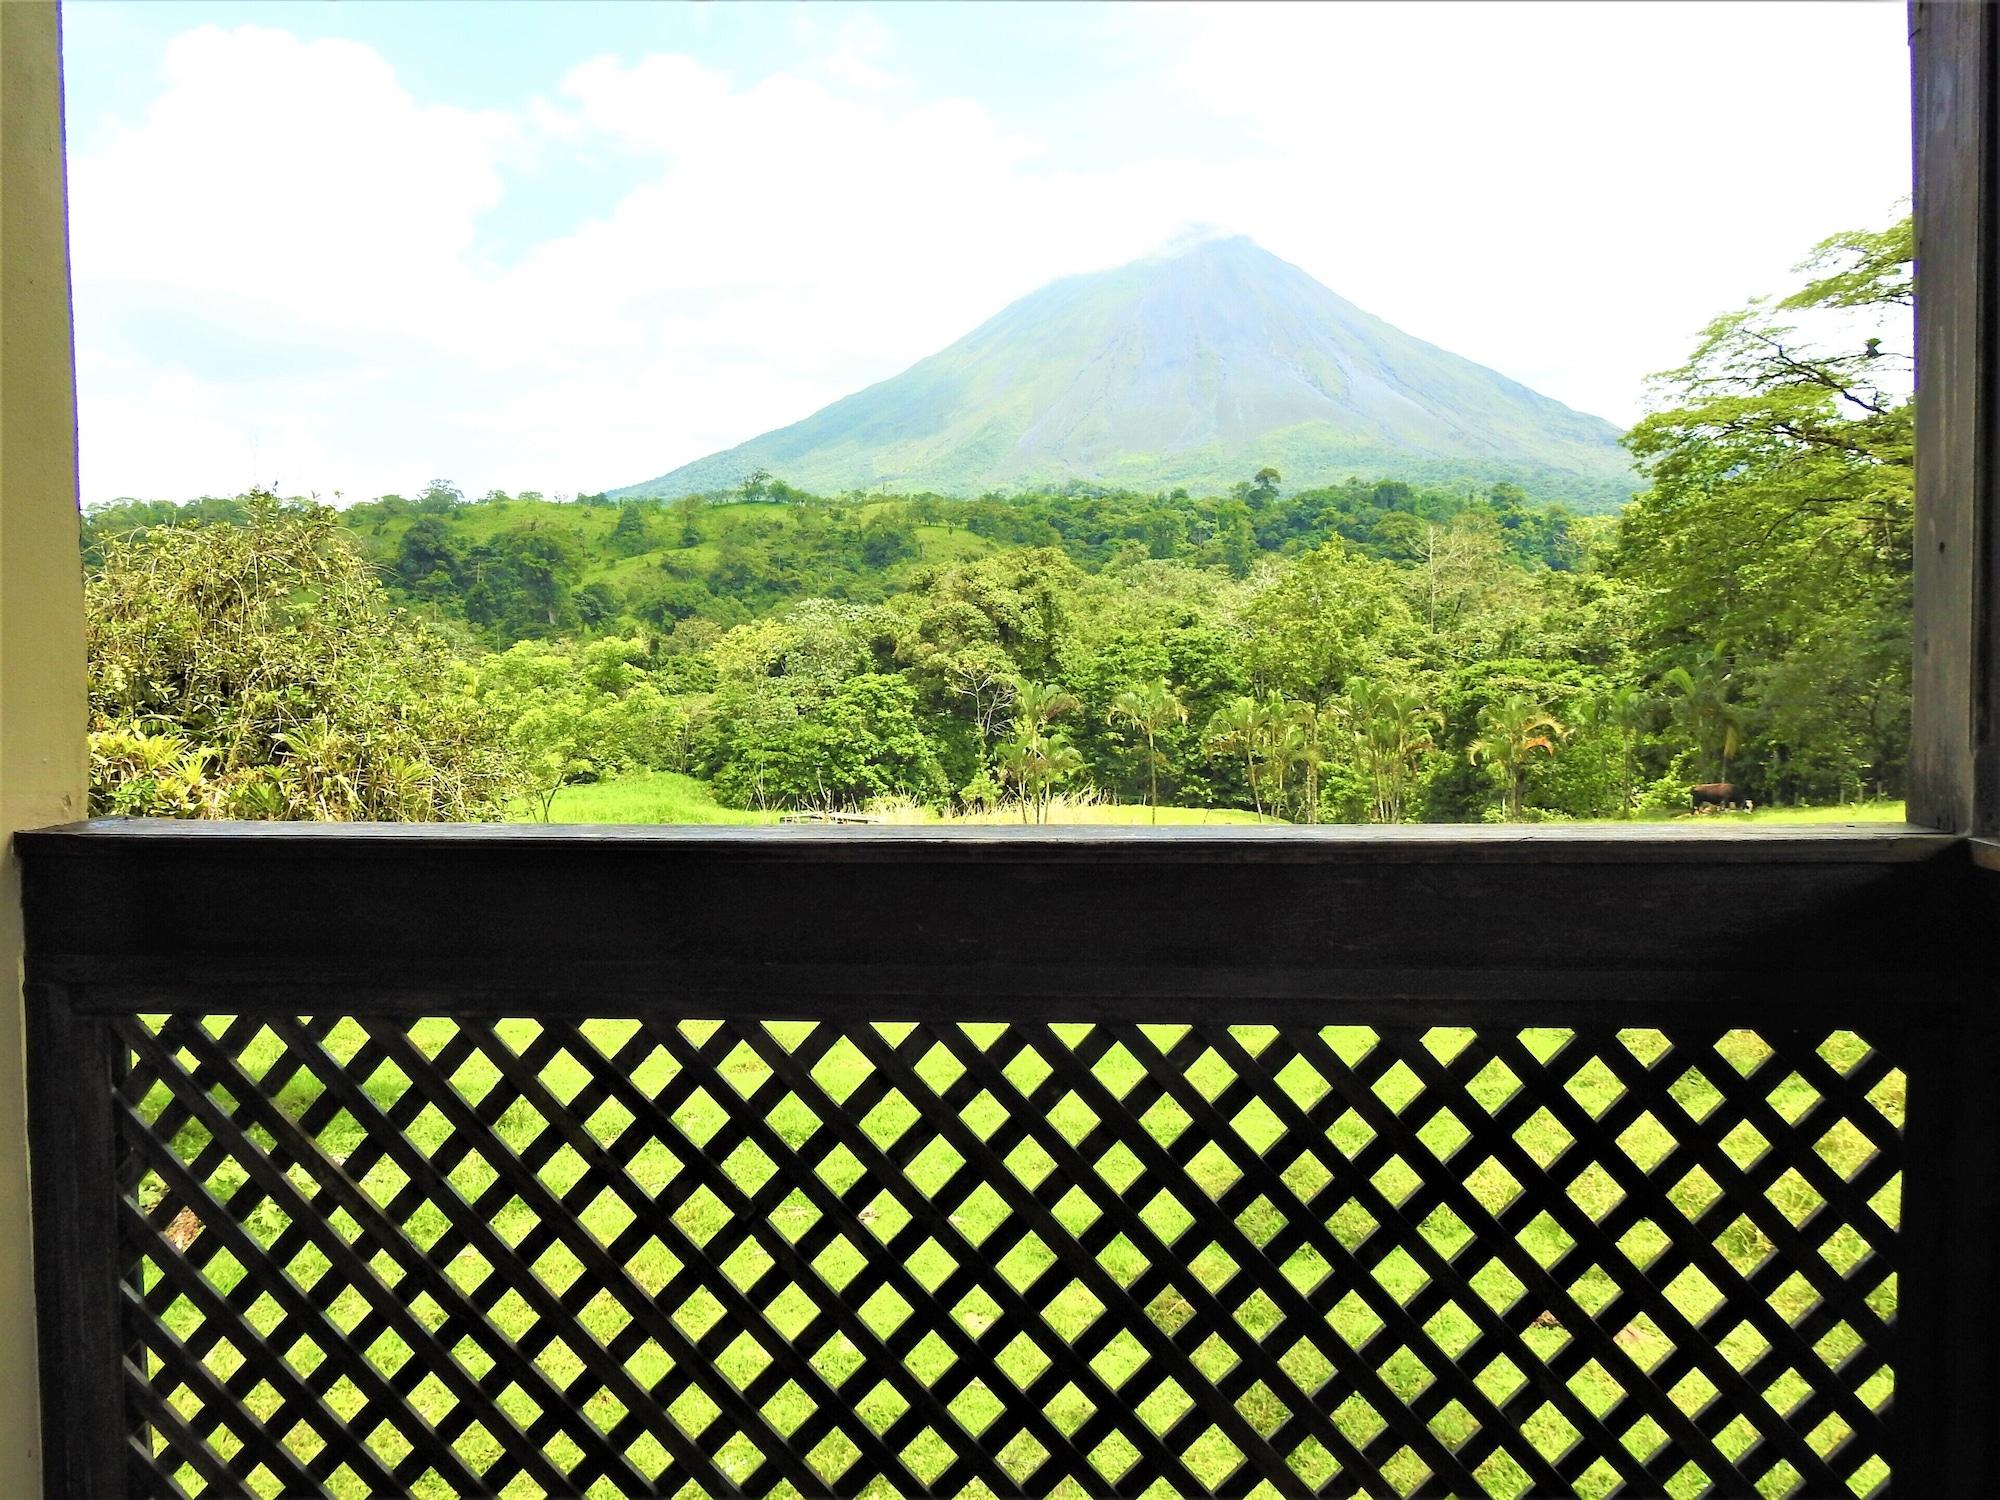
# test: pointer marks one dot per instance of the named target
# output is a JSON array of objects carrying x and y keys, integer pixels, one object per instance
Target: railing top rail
[
  {"x": 409, "y": 918},
  {"x": 1643, "y": 843}
]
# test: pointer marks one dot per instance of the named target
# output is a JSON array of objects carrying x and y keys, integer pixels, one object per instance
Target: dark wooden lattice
[{"x": 734, "y": 1258}]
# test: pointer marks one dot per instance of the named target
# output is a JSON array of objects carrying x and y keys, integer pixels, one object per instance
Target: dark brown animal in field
[{"x": 1714, "y": 794}]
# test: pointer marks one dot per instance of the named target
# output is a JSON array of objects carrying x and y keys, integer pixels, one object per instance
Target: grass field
[
  {"x": 979, "y": 1221},
  {"x": 645, "y": 797},
  {"x": 1845, "y": 812},
  {"x": 667, "y": 797}
]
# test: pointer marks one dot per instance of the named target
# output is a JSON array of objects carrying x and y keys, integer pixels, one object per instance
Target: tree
[
  {"x": 688, "y": 510},
  {"x": 1150, "y": 708},
  {"x": 1036, "y": 768},
  {"x": 1779, "y": 517},
  {"x": 258, "y": 671},
  {"x": 1509, "y": 732},
  {"x": 1704, "y": 704},
  {"x": 1036, "y": 760},
  {"x": 1629, "y": 710},
  {"x": 1240, "y": 727},
  {"x": 1392, "y": 730},
  {"x": 633, "y": 532}
]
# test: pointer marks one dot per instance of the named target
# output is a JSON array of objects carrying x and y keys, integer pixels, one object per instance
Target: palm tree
[
  {"x": 1629, "y": 710},
  {"x": 1036, "y": 768},
  {"x": 1240, "y": 727},
  {"x": 1038, "y": 705},
  {"x": 1509, "y": 732},
  {"x": 1034, "y": 760},
  {"x": 1392, "y": 732},
  {"x": 1150, "y": 708},
  {"x": 1308, "y": 723},
  {"x": 1715, "y": 722}
]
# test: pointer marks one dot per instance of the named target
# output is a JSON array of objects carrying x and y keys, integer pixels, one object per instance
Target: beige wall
[{"x": 42, "y": 767}]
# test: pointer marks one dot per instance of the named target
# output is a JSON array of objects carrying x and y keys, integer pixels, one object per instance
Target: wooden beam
[{"x": 435, "y": 920}]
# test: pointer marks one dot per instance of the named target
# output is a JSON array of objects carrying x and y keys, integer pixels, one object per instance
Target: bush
[{"x": 257, "y": 671}]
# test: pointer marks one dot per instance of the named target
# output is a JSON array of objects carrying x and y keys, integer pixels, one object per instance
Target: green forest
[{"x": 1371, "y": 651}]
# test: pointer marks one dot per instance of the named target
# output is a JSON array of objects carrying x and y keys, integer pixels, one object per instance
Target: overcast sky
[{"x": 352, "y": 247}]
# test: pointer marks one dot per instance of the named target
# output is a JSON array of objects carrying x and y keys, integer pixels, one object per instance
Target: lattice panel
[{"x": 510, "y": 1258}]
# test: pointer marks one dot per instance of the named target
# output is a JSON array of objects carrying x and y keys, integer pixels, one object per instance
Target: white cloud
[
  {"x": 279, "y": 273},
  {"x": 1565, "y": 192}
]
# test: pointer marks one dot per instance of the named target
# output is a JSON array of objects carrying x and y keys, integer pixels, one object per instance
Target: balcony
[
  {"x": 1421, "y": 1162},
  {"x": 1414, "y": 1162}
]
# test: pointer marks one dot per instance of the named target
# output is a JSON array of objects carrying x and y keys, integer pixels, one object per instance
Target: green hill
[{"x": 1188, "y": 369}]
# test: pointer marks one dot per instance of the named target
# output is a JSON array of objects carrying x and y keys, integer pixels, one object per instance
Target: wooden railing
[{"x": 1419, "y": 1162}]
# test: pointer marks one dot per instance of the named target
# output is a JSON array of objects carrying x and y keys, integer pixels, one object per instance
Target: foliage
[
  {"x": 255, "y": 670},
  {"x": 1774, "y": 547}
]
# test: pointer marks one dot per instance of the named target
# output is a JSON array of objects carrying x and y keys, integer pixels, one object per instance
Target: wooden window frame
[{"x": 1486, "y": 925}]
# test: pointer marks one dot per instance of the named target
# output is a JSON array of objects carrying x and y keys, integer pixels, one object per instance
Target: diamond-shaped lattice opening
[
  {"x": 1594, "y": 1086},
  {"x": 1302, "y": 1083},
  {"x": 928, "y": 1456},
  {"x": 1071, "y": 1311},
  {"x": 975, "y": 1407},
  {"x": 882, "y": 1407},
  {"x": 745, "y": 1070},
  {"x": 930, "y": 1263},
  {"x": 1068, "y": 1409},
  {"x": 1024, "y": 1263},
  {"x": 980, "y": 1212},
  {"x": 1163, "y": 1405},
  {"x": 1543, "y": 1137},
  {"x": 1354, "y": 1320},
  {"x": 1744, "y": 1144},
  {"x": 1022, "y": 1361},
  {"x": 841, "y": 1069},
  {"x": 1213, "y": 1170},
  {"x": 934, "y": 1166},
  {"x": 1397, "y": 1085},
  {"x": 1745, "y": 1051},
  {"x": 1258, "y": 1125},
  {"x": 884, "y": 1312},
  {"x": 1396, "y": 1179},
  {"x": 1443, "y": 1134},
  {"x": 1845, "y": 1148},
  {"x": 1257, "y": 1314},
  {"x": 1210, "y": 1074}
]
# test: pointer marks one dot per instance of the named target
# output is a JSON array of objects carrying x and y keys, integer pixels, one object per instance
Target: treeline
[
  {"x": 1363, "y": 652},
  {"x": 519, "y": 567}
]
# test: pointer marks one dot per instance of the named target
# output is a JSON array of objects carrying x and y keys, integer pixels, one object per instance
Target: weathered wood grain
[{"x": 1954, "y": 760}]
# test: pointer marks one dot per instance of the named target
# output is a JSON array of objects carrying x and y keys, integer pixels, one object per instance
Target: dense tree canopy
[{"x": 253, "y": 667}]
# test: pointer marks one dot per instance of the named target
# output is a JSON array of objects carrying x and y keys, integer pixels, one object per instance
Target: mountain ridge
[{"x": 1188, "y": 368}]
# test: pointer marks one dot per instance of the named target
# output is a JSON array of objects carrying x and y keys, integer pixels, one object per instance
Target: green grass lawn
[
  {"x": 1845, "y": 812},
  {"x": 668, "y": 797},
  {"x": 980, "y": 1231},
  {"x": 644, "y": 797}
]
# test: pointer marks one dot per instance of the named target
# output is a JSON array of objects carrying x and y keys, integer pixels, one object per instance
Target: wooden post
[
  {"x": 74, "y": 1155},
  {"x": 1954, "y": 754},
  {"x": 42, "y": 759}
]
